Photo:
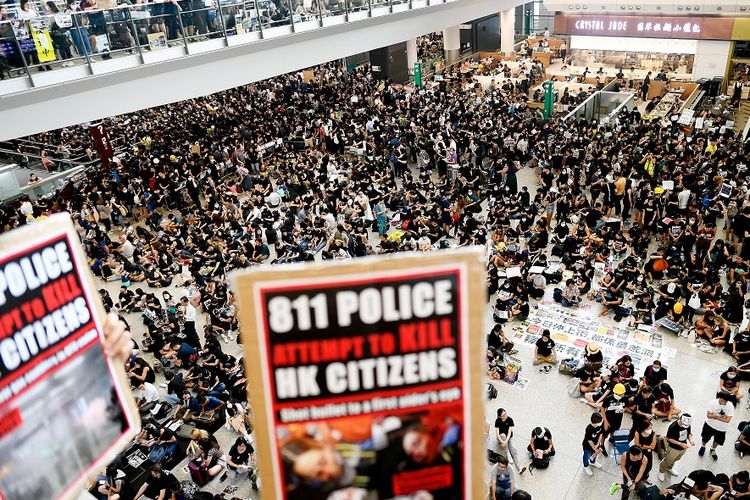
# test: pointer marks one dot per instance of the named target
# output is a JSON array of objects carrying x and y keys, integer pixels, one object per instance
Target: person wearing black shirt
[
  {"x": 176, "y": 387},
  {"x": 504, "y": 433},
  {"x": 541, "y": 443},
  {"x": 158, "y": 485},
  {"x": 238, "y": 460},
  {"x": 679, "y": 439},
  {"x": 643, "y": 406},
  {"x": 645, "y": 438},
  {"x": 654, "y": 374},
  {"x": 633, "y": 467},
  {"x": 593, "y": 439},
  {"x": 496, "y": 339},
  {"x": 613, "y": 409},
  {"x": 544, "y": 352}
]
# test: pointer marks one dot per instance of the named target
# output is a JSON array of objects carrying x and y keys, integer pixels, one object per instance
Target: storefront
[{"x": 683, "y": 47}]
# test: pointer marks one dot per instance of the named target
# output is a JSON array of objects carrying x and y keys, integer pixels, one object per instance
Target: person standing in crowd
[
  {"x": 719, "y": 414},
  {"x": 593, "y": 443},
  {"x": 679, "y": 439},
  {"x": 613, "y": 410},
  {"x": 188, "y": 327}
]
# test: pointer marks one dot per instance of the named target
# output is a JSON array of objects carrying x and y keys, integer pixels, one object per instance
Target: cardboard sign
[
  {"x": 65, "y": 409},
  {"x": 45, "y": 50},
  {"x": 370, "y": 368}
]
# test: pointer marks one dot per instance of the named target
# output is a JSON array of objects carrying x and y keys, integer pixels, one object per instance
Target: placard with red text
[
  {"x": 365, "y": 376},
  {"x": 64, "y": 409}
]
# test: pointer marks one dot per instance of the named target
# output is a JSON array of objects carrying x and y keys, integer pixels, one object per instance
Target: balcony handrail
[{"x": 39, "y": 43}]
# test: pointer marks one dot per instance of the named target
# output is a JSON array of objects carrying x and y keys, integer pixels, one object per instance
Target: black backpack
[
  {"x": 491, "y": 392},
  {"x": 540, "y": 463}
]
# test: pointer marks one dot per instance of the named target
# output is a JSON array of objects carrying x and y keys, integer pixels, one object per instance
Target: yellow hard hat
[
  {"x": 619, "y": 389},
  {"x": 678, "y": 308},
  {"x": 658, "y": 190}
]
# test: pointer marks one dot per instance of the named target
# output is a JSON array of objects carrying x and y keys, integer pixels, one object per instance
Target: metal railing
[{"x": 89, "y": 39}]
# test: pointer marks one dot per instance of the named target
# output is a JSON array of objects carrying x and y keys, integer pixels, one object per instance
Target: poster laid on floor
[
  {"x": 367, "y": 376},
  {"x": 65, "y": 409}
]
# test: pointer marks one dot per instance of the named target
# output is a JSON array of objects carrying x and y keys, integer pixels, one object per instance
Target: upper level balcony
[{"x": 63, "y": 68}]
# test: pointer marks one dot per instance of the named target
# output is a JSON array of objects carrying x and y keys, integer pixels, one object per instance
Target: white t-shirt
[
  {"x": 726, "y": 409},
  {"x": 128, "y": 249},
  {"x": 149, "y": 392},
  {"x": 189, "y": 312}
]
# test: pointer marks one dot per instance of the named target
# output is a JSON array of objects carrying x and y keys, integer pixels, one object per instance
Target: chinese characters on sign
[
  {"x": 646, "y": 26},
  {"x": 669, "y": 27}
]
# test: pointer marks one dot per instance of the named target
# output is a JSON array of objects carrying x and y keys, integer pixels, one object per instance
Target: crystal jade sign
[{"x": 707, "y": 28}]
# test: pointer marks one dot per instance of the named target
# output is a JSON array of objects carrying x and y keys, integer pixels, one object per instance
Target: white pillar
[
  {"x": 411, "y": 54},
  {"x": 507, "y": 30},
  {"x": 452, "y": 43}
]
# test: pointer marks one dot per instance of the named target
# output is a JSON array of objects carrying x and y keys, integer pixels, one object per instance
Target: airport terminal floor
[{"x": 617, "y": 258}]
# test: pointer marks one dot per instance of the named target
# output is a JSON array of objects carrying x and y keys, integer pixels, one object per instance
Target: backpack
[
  {"x": 540, "y": 462},
  {"x": 569, "y": 366},
  {"x": 660, "y": 265},
  {"x": 189, "y": 489},
  {"x": 491, "y": 392},
  {"x": 574, "y": 387},
  {"x": 557, "y": 295}
]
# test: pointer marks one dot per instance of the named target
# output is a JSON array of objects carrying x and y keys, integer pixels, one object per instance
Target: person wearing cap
[
  {"x": 669, "y": 291},
  {"x": 718, "y": 415},
  {"x": 675, "y": 313},
  {"x": 679, "y": 438},
  {"x": 613, "y": 409},
  {"x": 593, "y": 355},
  {"x": 544, "y": 351}
]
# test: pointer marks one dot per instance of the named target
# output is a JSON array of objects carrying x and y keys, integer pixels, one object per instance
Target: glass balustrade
[{"x": 38, "y": 49}]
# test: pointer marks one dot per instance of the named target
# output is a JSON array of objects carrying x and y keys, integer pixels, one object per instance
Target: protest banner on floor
[
  {"x": 367, "y": 376},
  {"x": 65, "y": 409}
]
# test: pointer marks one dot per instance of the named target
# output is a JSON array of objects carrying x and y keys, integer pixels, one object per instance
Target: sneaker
[
  {"x": 595, "y": 464},
  {"x": 702, "y": 451},
  {"x": 604, "y": 453},
  {"x": 223, "y": 477},
  {"x": 713, "y": 454},
  {"x": 614, "y": 488},
  {"x": 588, "y": 471},
  {"x": 742, "y": 454},
  {"x": 523, "y": 469},
  {"x": 672, "y": 472},
  {"x": 661, "y": 477}
]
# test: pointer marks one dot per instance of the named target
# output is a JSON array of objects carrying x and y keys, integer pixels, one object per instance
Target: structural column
[
  {"x": 507, "y": 30},
  {"x": 411, "y": 54},
  {"x": 452, "y": 44}
]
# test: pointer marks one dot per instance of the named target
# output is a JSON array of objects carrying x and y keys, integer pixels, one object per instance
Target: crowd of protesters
[{"x": 333, "y": 164}]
